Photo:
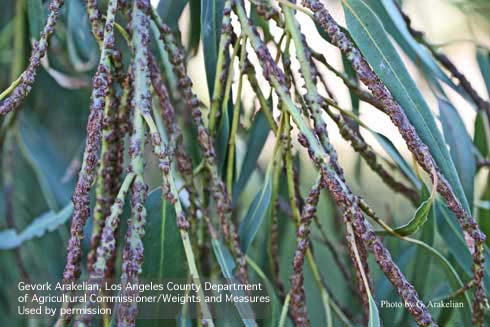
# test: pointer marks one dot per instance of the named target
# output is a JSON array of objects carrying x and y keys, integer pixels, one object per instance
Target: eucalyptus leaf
[
  {"x": 162, "y": 240},
  {"x": 483, "y": 59},
  {"x": 81, "y": 45},
  {"x": 170, "y": 11},
  {"x": 194, "y": 26},
  {"x": 374, "y": 320},
  {"x": 420, "y": 217},
  {"x": 258, "y": 135},
  {"x": 36, "y": 16},
  {"x": 164, "y": 251},
  {"x": 227, "y": 265},
  {"x": 373, "y": 41},
  {"x": 40, "y": 152},
  {"x": 427, "y": 235},
  {"x": 395, "y": 25},
  {"x": 460, "y": 146},
  {"x": 450, "y": 232},
  {"x": 483, "y": 207},
  {"x": 255, "y": 215},
  {"x": 480, "y": 138},
  {"x": 47, "y": 222},
  {"x": 211, "y": 18}
]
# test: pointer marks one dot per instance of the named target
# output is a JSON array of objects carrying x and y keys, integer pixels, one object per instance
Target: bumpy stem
[
  {"x": 369, "y": 155},
  {"x": 294, "y": 199},
  {"x": 133, "y": 251},
  {"x": 81, "y": 199},
  {"x": 474, "y": 237},
  {"x": 298, "y": 298},
  {"x": 341, "y": 192},
  {"x": 21, "y": 87},
  {"x": 218, "y": 188}
]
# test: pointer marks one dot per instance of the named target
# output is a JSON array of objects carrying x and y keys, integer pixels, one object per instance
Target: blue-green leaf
[
  {"x": 483, "y": 59},
  {"x": 194, "y": 26},
  {"x": 480, "y": 138},
  {"x": 448, "y": 227},
  {"x": 39, "y": 150},
  {"x": 170, "y": 11},
  {"x": 81, "y": 45},
  {"x": 258, "y": 135},
  {"x": 162, "y": 240},
  {"x": 47, "y": 222},
  {"x": 227, "y": 264},
  {"x": 374, "y": 320},
  {"x": 484, "y": 211},
  {"x": 35, "y": 14},
  {"x": 420, "y": 217},
  {"x": 211, "y": 19},
  {"x": 373, "y": 41},
  {"x": 395, "y": 25},
  {"x": 164, "y": 252},
  {"x": 460, "y": 146},
  {"x": 255, "y": 214}
]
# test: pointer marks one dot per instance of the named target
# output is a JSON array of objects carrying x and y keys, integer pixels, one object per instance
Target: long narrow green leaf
[
  {"x": 460, "y": 146},
  {"x": 164, "y": 253},
  {"x": 40, "y": 152},
  {"x": 370, "y": 36},
  {"x": 258, "y": 135},
  {"x": 35, "y": 13},
  {"x": 395, "y": 25},
  {"x": 47, "y": 222},
  {"x": 484, "y": 211},
  {"x": 480, "y": 138},
  {"x": 211, "y": 18},
  {"x": 170, "y": 11},
  {"x": 483, "y": 59},
  {"x": 255, "y": 214},
  {"x": 81, "y": 45},
  {"x": 420, "y": 217},
  {"x": 374, "y": 320},
  {"x": 424, "y": 261},
  {"x": 227, "y": 264},
  {"x": 194, "y": 26},
  {"x": 271, "y": 290},
  {"x": 162, "y": 240}
]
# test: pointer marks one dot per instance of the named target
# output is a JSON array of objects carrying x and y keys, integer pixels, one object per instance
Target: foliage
[{"x": 146, "y": 174}]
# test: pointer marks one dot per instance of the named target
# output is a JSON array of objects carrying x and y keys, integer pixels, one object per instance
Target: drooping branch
[
  {"x": 474, "y": 237},
  {"x": 21, "y": 87},
  {"x": 133, "y": 252},
  {"x": 341, "y": 192},
  {"x": 298, "y": 298},
  {"x": 102, "y": 83},
  {"x": 221, "y": 198}
]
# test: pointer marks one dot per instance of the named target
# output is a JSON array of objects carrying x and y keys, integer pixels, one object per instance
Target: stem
[
  {"x": 81, "y": 197},
  {"x": 475, "y": 239},
  {"x": 22, "y": 86},
  {"x": 133, "y": 252},
  {"x": 220, "y": 194},
  {"x": 336, "y": 183}
]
